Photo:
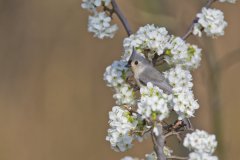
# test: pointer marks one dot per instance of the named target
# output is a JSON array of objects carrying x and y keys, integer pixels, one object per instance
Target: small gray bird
[{"x": 144, "y": 72}]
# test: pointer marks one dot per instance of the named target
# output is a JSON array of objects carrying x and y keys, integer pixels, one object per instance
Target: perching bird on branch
[{"x": 144, "y": 72}]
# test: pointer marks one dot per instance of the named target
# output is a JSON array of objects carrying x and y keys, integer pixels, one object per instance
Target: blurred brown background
[{"x": 53, "y": 101}]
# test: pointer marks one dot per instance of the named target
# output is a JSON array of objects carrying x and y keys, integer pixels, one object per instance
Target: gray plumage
[{"x": 144, "y": 72}]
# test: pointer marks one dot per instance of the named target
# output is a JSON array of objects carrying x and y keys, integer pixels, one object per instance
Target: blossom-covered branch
[
  {"x": 212, "y": 22},
  {"x": 190, "y": 29},
  {"x": 152, "y": 82}
]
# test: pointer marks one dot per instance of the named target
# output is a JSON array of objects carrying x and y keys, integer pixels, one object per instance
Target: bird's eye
[{"x": 136, "y": 62}]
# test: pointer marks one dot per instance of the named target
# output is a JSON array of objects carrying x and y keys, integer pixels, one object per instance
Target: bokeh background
[{"x": 54, "y": 103}]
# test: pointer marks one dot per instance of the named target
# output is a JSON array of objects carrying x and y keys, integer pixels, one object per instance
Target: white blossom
[
  {"x": 178, "y": 52},
  {"x": 229, "y": 1},
  {"x": 197, "y": 30},
  {"x": 153, "y": 103},
  {"x": 116, "y": 74},
  {"x": 99, "y": 24},
  {"x": 91, "y": 5},
  {"x": 148, "y": 38},
  {"x": 129, "y": 158},
  {"x": 179, "y": 78},
  {"x": 121, "y": 123},
  {"x": 167, "y": 151},
  {"x": 212, "y": 21},
  {"x": 194, "y": 57},
  {"x": 200, "y": 141},
  {"x": 183, "y": 101},
  {"x": 201, "y": 156},
  {"x": 124, "y": 95},
  {"x": 151, "y": 156},
  {"x": 185, "y": 105},
  {"x": 129, "y": 43}
]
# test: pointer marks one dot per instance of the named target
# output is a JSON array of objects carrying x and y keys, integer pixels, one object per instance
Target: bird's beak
[{"x": 128, "y": 64}]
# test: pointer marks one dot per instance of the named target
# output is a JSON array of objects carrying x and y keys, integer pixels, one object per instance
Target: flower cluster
[
  {"x": 201, "y": 156},
  {"x": 152, "y": 156},
  {"x": 100, "y": 22},
  {"x": 115, "y": 76},
  {"x": 183, "y": 100},
  {"x": 92, "y": 5},
  {"x": 182, "y": 53},
  {"x": 201, "y": 143},
  {"x": 167, "y": 151},
  {"x": 153, "y": 103},
  {"x": 148, "y": 38},
  {"x": 185, "y": 105},
  {"x": 193, "y": 58},
  {"x": 122, "y": 124},
  {"x": 129, "y": 158},
  {"x": 211, "y": 21},
  {"x": 229, "y": 1},
  {"x": 151, "y": 41},
  {"x": 124, "y": 95}
]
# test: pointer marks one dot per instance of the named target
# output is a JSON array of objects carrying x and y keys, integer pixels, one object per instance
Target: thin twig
[
  {"x": 190, "y": 126},
  {"x": 142, "y": 133},
  {"x": 190, "y": 28},
  {"x": 120, "y": 15},
  {"x": 209, "y": 3},
  {"x": 171, "y": 134},
  {"x": 177, "y": 157},
  {"x": 124, "y": 21},
  {"x": 177, "y": 133}
]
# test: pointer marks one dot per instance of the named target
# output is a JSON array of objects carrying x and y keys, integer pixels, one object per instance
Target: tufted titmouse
[{"x": 144, "y": 72}]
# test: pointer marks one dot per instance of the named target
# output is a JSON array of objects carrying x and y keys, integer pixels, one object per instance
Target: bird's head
[{"x": 138, "y": 62}]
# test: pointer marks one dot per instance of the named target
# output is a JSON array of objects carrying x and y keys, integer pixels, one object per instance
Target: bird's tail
[{"x": 167, "y": 88}]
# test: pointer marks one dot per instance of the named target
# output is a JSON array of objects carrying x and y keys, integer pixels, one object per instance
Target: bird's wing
[
  {"x": 150, "y": 74},
  {"x": 156, "y": 78}
]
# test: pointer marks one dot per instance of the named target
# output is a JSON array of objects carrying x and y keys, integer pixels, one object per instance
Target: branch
[
  {"x": 229, "y": 60},
  {"x": 177, "y": 133},
  {"x": 120, "y": 15},
  {"x": 190, "y": 28},
  {"x": 158, "y": 142},
  {"x": 177, "y": 157},
  {"x": 188, "y": 123},
  {"x": 171, "y": 134}
]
